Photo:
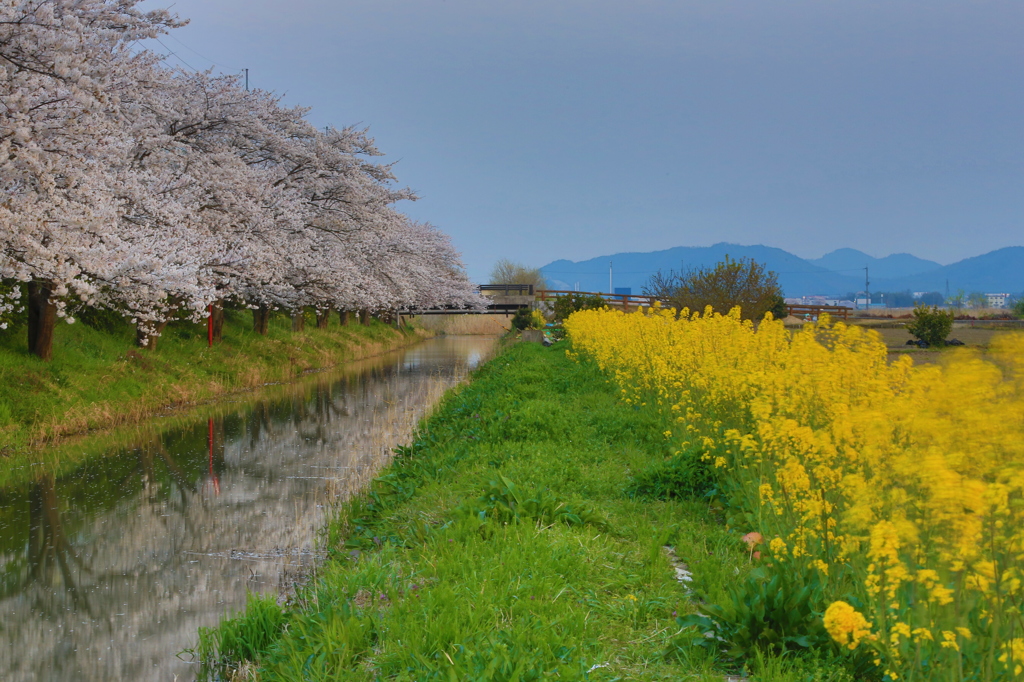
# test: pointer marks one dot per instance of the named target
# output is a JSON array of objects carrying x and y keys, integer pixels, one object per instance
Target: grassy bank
[
  {"x": 522, "y": 536},
  {"x": 99, "y": 378}
]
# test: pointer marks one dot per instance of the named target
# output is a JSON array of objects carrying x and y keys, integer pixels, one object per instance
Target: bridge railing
[
  {"x": 816, "y": 310},
  {"x": 508, "y": 289},
  {"x": 623, "y": 301}
]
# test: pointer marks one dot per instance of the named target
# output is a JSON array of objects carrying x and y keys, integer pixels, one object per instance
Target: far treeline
[{"x": 958, "y": 301}]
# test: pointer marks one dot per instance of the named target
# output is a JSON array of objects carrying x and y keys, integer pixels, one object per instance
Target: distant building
[
  {"x": 819, "y": 300},
  {"x": 998, "y": 300},
  {"x": 811, "y": 300}
]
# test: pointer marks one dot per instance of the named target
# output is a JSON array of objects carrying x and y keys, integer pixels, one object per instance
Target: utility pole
[
  {"x": 610, "y": 289},
  {"x": 867, "y": 288},
  {"x": 247, "y": 80}
]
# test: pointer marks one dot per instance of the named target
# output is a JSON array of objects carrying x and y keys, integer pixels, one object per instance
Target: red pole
[{"x": 209, "y": 326}]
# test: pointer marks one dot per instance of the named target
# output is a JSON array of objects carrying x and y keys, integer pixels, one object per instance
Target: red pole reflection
[{"x": 209, "y": 440}]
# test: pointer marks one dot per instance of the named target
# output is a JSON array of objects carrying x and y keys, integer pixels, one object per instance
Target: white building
[{"x": 998, "y": 300}]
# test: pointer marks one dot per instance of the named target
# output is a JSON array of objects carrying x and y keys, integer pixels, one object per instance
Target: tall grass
[{"x": 465, "y": 324}]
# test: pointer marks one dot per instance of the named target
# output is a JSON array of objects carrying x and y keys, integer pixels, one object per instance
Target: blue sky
[{"x": 537, "y": 130}]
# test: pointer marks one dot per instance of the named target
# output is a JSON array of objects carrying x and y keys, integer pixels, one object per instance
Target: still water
[{"x": 108, "y": 570}]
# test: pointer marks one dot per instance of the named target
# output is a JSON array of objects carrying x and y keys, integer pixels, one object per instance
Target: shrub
[
  {"x": 571, "y": 303},
  {"x": 931, "y": 325},
  {"x": 527, "y": 319}
]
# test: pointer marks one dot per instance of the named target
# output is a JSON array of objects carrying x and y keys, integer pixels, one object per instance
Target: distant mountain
[
  {"x": 1000, "y": 271},
  {"x": 847, "y": 261},
  {"x": 634, "y": 269},
  {"x": 834, "y": 274}
]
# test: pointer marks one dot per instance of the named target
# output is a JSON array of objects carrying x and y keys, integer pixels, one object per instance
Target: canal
[{"x": 108, "y": 569}]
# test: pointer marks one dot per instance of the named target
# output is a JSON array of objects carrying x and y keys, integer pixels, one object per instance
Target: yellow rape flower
[
  {"x": 898, "y": 630},
  {"x": 1013, "y": 655},
  {"x": 845, "y": 456},
  {"x": 846, "y": 625}
]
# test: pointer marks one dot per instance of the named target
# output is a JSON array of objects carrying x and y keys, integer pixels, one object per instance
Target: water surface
[{"x": 107, "y": 572}]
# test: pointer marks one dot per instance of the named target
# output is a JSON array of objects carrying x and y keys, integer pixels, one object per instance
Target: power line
[
  {"x": 200, "y": 54},
  {"x": 176, "y": 55},
  {"x": 182, "y": 60}
]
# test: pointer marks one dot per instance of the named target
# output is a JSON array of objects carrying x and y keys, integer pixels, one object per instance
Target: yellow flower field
[{"x": 902, "y": 486}]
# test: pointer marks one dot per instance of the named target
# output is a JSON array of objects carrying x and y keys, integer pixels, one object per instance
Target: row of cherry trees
[{"x": 156, "y": 192}]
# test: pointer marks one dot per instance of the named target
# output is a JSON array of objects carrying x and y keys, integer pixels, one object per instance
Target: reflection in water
[{"x": 107, "y": 573}]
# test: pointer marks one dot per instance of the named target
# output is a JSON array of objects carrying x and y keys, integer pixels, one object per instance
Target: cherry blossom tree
[
  {"x": 63, "y": 64},
  {"x": 158, "y": 192}
]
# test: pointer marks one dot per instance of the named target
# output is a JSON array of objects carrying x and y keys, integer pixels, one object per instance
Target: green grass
[
  {"x": 99, "y": 378},
  {"x": 508, "y": 542}
]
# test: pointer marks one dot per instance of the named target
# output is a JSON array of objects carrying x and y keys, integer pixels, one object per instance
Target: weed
[
  {"x": 244, "y": 637},
  {"x": 685, "y": 474},
  {"x": 504, "y": 502}
]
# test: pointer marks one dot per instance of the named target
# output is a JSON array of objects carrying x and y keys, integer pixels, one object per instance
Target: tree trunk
[
  {"x": 218, "y": 321},
  {"x": 364, "y": 317},
  {"x": 148, "y": 341},
  {"x": 42, "y": 319},
  {"x": 343, "y": 317},
  {"x": 323, "y": 317},
  {"x": 298, "y": 321},
  {"x": 261, "y": 320}
]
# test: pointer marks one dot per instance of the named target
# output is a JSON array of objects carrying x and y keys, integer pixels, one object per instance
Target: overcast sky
[{"x": 545, "y": 129}]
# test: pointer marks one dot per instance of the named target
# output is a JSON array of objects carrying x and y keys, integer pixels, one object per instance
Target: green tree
[
  {"x": 778, "y": 307},
  {"x": 977, "y": 300},
  {"x": 508, "y": 272},
  {"x": 898, "y": 299},
  {"x": 730, "y": 283},
  {"x": 931, "y": 325},
  {"x": 1018, "y": 308}
]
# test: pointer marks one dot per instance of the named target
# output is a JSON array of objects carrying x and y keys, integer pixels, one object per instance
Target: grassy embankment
[
  {"x": 510, "y": 541},
  {"x": 99, "y": 378}
]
